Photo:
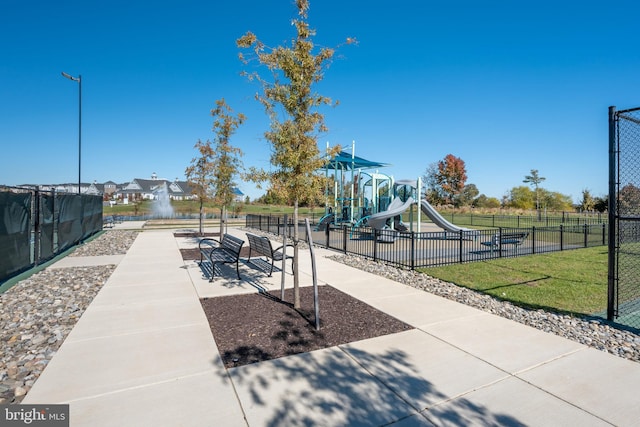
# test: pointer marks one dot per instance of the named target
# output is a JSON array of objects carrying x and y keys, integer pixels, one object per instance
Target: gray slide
[
  {"x": 397, "y": 207},
  {"x": 438, "y": 219}
]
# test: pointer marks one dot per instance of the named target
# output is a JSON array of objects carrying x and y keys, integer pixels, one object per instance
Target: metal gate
[{"x": 623, "y": 305}]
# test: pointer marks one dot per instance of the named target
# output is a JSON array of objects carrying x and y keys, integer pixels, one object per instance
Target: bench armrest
[
  {"x": 279, "y": 249},
  {"x": 209, "y": 242}
]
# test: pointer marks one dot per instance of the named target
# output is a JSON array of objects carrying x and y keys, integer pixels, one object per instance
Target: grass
[{"x": 572, "y": 281}]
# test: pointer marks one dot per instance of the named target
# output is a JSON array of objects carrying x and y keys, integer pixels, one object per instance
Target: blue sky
[{"x": 508, "y": 86}]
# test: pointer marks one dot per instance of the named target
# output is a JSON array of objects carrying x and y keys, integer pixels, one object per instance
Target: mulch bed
[{"x": 251, "y": 328}]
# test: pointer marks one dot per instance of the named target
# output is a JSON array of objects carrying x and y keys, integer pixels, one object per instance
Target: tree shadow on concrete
[
  {"x": 330, "y": 387},
  {"x": 286, "y": 373}
]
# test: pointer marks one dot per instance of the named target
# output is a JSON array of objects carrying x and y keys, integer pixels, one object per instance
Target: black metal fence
[
  {"x": 526, "y": 221},
  {"x": 624, "y": 217},
  {"x": 37, "y": 225},
  {"x": 428, "y": 249}
]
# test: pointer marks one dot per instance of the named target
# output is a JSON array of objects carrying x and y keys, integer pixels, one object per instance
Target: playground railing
[{"x": 429, "y": 249}]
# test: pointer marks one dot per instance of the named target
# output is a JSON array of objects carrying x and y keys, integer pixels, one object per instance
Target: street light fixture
[{"x": 79, "y": 80}]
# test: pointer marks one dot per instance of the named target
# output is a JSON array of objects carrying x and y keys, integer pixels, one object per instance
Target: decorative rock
[{"x": 37, "y": 314}]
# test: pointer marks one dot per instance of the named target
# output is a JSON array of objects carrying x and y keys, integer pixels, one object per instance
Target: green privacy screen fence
[{"x": 37, "y": 225}]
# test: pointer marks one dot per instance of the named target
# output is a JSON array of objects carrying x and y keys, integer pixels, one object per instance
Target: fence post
[
  {"x": 533, "y": 239},
  {"x": 604, "y": 240},
  {"x": 413, "y": 250},
  {"x": 460, "y": 246},
  {"x": 327, "y": 235},
  {"x": 36, "y": 228},
  {"x": 344, "y": 238},
  {"x": 586, "y": 240},
  {"x": 561, "y": 237},
  {"x": 375, "y": 244}
]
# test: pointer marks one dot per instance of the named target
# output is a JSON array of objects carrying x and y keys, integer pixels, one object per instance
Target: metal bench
[
  {"x": 262, "y": 246},
  {"x": 501, "y": 239},
  {"x": 225, "y": 251},
  {"x": 108, "y": 221}
]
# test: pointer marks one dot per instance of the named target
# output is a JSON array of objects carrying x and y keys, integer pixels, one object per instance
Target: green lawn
[{"x": 572, "y": 281}]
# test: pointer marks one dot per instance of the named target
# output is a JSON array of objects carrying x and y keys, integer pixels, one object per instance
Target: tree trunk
[
  {"x": 201, "y": 222},
  {"x": 223, "y": 211},
  {"x": 296, "y": 277}
]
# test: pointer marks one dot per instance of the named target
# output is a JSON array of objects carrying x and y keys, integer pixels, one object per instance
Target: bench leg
[
  {"x": 213, "y": 272},
  {"x": 238, "y": 268}
]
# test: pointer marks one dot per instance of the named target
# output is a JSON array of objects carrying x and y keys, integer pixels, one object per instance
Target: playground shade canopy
[{"x": 345, "y": 161}]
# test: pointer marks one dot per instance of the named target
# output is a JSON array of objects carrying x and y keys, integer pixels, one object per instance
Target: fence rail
[
  {"x": 428, "y": 249},
  {"x": 526, "y": 221}
]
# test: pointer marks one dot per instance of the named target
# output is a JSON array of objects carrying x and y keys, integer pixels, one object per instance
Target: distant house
[
  {"x": 110, "y": 187},
  {"x": 137, "y": 189},
  {"x": 181, "y": 190},
  {"x": 69, "y": 188},
  {"x": 95, "y": 189},
  {"x": 148, "y": 189}
]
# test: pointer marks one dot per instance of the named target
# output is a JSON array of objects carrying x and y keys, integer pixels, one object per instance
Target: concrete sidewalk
[{"x": 143, "y": 355}]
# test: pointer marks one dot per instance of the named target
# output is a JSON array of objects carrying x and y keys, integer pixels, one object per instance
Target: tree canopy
[
  {"x": 293, "y": 108},
  {"x": 445, "y": 180}
]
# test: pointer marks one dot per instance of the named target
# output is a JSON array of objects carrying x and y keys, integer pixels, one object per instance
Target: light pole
[{"x": 79, "y": 80}]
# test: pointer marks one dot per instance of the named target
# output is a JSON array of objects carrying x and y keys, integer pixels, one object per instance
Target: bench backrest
[
  {"x": 260, "y": 244},
  {"x": 512, "y": 236},
  {"x": 231, "y": 243}
]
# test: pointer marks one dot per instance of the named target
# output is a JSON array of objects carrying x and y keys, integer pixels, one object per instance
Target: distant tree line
[{"x": 445, "y": 185}]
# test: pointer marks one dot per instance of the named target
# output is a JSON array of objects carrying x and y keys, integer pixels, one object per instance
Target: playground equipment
[
  {"x": 410, "y": 191},
  {"x": 397, "y": 207},
  {"x": 362, "y": 198},
  {"x": 348, "y": 202},
  {"x": 438, "y": 220}
]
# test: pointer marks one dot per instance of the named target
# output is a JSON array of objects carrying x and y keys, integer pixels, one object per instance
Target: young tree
[
  {"x": 211, "y": 174},
  {"x": 226, "y": 158},
  {"x": 293, "y": 108},
  {"x": 534, "y": 179},
  {"x": 199, "y": 176}
]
